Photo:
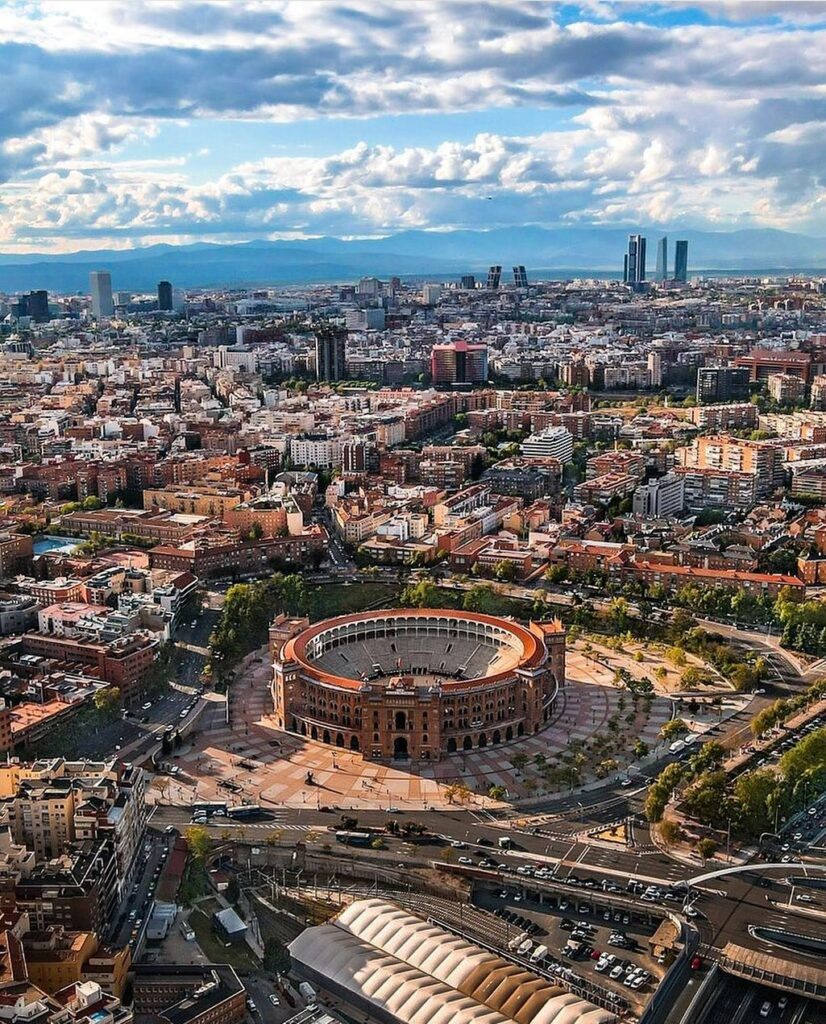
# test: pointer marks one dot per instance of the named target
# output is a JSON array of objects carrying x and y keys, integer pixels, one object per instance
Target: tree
[
  {"x": 497, "y": 792},
  {"x": 676, "y": 655},
  {"x": 640, "y": 748},
  {"x": 483, "y": 598},
  {"x": 519, "y": 761},
  {"x": 758, "y": 795},
  {"x": 673, "y": 729},
  {"x": 198, "y": 841},
  {"x": 706, "y": 849},
  {"x": 276, "y": 957},
  {"x": 423, "y": 594},
  {"x": 505, "y": 571},
  {"x": 670, "y": 832},
  {"x": 708, "y": 800},
  {"x": 556, "y": 573},
  {"x": 256, "y": 531},
  {"x": 107, "y": 702}
]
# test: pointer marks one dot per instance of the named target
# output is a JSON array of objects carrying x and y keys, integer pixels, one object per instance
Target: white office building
[
  {"x": 552, "y": 443},
  {"x": 659, "y": 498}
]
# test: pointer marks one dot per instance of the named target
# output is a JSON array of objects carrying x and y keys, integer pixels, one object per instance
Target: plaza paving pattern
[{"x": 276, "y": 764}]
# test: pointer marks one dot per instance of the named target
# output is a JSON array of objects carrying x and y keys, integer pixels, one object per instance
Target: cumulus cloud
[{"x": 697, "y": 122}]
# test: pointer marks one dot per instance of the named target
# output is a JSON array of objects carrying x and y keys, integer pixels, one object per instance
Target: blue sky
[{"x": 126, "y": 124}]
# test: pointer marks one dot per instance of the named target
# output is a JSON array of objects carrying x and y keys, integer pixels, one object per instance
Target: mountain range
[{"x": 546, "y": 252}]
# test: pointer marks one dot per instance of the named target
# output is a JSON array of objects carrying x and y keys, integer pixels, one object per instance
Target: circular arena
[{"x": 415, "y": 683}]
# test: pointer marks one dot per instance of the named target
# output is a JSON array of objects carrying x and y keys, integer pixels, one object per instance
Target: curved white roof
[{"x": 422, "y": 974}]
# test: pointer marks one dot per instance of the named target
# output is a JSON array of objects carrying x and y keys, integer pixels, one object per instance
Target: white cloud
[{"x": 698, "y": 123}]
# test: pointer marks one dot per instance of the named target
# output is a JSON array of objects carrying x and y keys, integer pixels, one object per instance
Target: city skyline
[{"x": 145, "y": 124}]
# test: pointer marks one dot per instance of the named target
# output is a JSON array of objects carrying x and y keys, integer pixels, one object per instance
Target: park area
[{"x": 641, "y": 666}]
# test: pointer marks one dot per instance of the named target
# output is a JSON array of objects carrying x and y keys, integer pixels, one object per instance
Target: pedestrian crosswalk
[{"x": 272, "y": 826}]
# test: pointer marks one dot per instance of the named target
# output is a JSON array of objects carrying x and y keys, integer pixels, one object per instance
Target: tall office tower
[
  {"x": 164, "y": 295},
  {"x": 468, "y": 282},
  {"x": 635, "y": 261},
  {"x": 329, "y": 353},
  {"x": 520, "y": 277},
  {"x": 39, "y": 305},
  {"x": 681, "y": 260},
  {"x": 494, "y": 276},
  {"x": 100, "y": 285},
  {"x": 661, "y": 273}
]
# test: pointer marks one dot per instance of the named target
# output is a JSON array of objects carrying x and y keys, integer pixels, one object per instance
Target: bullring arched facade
[{"x": 415, "y": 683}]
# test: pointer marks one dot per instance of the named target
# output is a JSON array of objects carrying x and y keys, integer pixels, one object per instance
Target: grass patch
[
  {"x": 337, "y": 599},
  {"x": 237, "y": 956}
]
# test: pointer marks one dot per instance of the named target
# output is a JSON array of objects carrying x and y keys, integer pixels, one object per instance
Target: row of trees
[
  {"x": 246, "y": 615},
  {"x": 777, "y": 712},
  {"x": 756, "y": 801}
]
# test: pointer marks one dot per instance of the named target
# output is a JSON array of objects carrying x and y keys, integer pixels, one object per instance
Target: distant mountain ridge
[{"x": 592, "y": 250}]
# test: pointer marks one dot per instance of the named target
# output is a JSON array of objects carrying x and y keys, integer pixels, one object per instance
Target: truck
[
  {"x": 677, "y": 746},
  {"x": 505, "y": 842},
  {"x": 307, "y": 991}
]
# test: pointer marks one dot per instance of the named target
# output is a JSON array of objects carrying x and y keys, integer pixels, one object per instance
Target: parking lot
[{"x": 571, "y": 936}]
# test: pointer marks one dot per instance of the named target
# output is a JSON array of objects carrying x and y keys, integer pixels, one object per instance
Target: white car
[
  {"x": 804, "y": 897},
  {"x": 765, "y": 1009},
  {"x": 465, "y": 860},
  {"x": 275, "y": 1000},
  {"x": 146, "y": 706}
]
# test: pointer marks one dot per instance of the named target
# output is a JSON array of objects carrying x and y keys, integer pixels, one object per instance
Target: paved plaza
[{"x": 250, "y": 761}]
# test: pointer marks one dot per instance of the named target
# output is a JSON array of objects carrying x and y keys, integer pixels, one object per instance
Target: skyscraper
[
  {"x": 681, "y": 260},
  {"x": 330, "y": 353},
  {"x": 661, "y": 273},
  {"x": 100, "y": 285},
  {"x": 164, "y": 295},
  {"x": 520, "y": 277},
  {"x": 38, "y": 303},
  {"x": 494, "y": 276},
  {"x": 634, "y": 265}
]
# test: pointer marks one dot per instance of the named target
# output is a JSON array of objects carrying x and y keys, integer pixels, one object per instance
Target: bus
[
  {"x": 209, "y": 808},
  {"x": 355, "y": 838},
  {"x": 243, "y": 812}
]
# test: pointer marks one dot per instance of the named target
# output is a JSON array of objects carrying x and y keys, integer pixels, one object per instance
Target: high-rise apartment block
[
  {"x": 459, "y": 363},
  {"x": 722, "y": 384},
  {"x": 100, "y": 285},
  {"x": 552, "y": 443},
  {"x": 330, "y": 353}
]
